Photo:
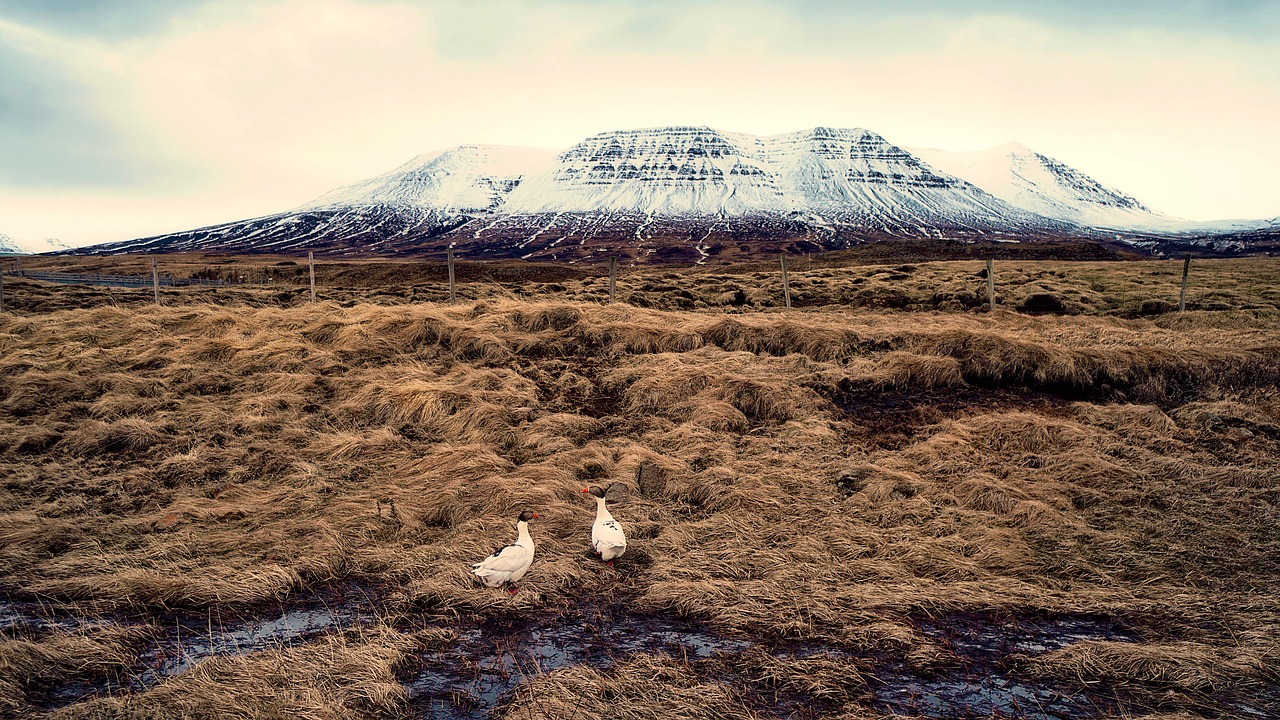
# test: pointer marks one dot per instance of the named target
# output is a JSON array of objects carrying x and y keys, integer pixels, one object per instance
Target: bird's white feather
[
  {"x": 508, "y": 564},
  {"x": 607, "y": 537}
]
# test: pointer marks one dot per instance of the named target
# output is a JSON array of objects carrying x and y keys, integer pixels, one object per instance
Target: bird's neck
[
  {"x": 524, "y": 538},
  {"x": 602, "y": 512}
]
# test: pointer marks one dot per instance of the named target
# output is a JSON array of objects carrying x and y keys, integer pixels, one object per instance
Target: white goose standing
[
  {"x": 509, "y": 564},
  {"x": 607, "y": 537}
]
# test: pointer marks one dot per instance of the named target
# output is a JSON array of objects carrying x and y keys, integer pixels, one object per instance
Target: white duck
[
  {"x": 510, "y": 563},
  {"x": 607, "y": 537}
]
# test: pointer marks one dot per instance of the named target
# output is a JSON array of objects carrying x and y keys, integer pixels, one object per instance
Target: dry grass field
[{"x": 885, "y": 482}]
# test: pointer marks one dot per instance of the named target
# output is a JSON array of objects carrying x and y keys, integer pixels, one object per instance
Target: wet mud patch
[
  {"x": 485, "y": 668},
  {"x": 969, "y": 665},
  {"x": 27, "y": 618},
  {"x": 891, "y": 419},
  {"x": 176, "y": 642},
  {"x": 980, "y": 677},
  {"x": 482, "y": 670}
]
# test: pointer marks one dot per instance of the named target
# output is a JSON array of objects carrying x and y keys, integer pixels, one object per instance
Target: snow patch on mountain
[
  {"x": 680, "y": 171},
  {"x": 1037, "y": 183},
  {"x": 8, "y": 246},
  {"x": 819, "y": 174}
]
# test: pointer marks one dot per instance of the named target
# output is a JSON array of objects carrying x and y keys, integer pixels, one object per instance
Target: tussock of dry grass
[
  {"x": 730, "y": 391},
  {"x": 27, "y": 664},
  {"x": 822, "y": 678},
  {"x": 351, "y": 675},
  {"x": 644, "y": 687},
  {"x": 660, "y": 686},
  {"x": 1190, "y": 666}
]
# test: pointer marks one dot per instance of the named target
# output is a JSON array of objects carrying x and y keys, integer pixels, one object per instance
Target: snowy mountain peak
[
  {"x": 8, "y": 246},
  {"x": 699, "y": 171},
  {"x": 1012, "y": 148},
  {"x": 1038, "y": 183},
  {"x": 463, "y": 179}
]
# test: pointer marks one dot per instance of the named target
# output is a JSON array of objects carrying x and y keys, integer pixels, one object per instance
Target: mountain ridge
[{"x": 688, "y": 193}]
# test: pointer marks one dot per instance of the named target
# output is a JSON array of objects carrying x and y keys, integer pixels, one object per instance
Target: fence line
[
  {"x": 131, "y": 281},
  {"x": 155, "y": 280}
]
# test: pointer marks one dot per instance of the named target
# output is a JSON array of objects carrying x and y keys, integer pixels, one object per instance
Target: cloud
[
  {"x": 62, "y": 126},
  {"x": 97, "y": 18}
]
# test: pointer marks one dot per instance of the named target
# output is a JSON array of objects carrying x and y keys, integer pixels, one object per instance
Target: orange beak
[
  {"x": 536, "y": 515},
  {"x": 586, "y": 489}
]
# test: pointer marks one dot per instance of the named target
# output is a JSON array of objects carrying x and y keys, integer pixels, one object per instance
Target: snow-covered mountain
[
  {"x": 8, "y": 246},
  {"x": 687, "y": 194},
  {"x": 1037, "y": 183}
]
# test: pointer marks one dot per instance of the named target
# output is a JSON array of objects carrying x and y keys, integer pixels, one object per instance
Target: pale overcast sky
[{"x": 134, "y": 117}]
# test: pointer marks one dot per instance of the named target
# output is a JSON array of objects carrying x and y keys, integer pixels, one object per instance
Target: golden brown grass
[
  {"x": 204, "y": 455},
  {"x": 341, "y": 676},
  {"x": 26, "y": 664},
  {"x": 660, "y": 686},
  {"x": 645, "y": 687},
  {"x": 1185, "y": 665}
]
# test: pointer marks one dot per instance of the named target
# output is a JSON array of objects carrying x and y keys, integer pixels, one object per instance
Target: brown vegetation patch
[
  {"x": 347, "y": 675},
  {"x": 792, "y": 476}
]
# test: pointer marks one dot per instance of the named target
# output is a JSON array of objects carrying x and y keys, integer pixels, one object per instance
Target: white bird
[
  {"x": 607, "y": 537},
  {"x": 510, "y": 563}
]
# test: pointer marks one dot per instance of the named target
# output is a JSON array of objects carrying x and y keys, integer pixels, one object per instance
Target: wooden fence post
[
  {"x": 786, "y": 284},
  {"x": 1182, "y": 296},
  {"x": 991, "y": 285},
  {"x": 613, "y": 278},
  {"x": 155, "y": 278},
  {"x": 1, "y": 289},
  {"x": 311, "y": 268},
  {"x": 453, "y": 293}
]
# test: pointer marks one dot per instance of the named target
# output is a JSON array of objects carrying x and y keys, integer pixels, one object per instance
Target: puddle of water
[
  {"x": 28, "y": 618},
  {"x": 189, "y": 640},
  {"x": 481, "y": 671},
  {"x": 1258, "y": 707}
]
